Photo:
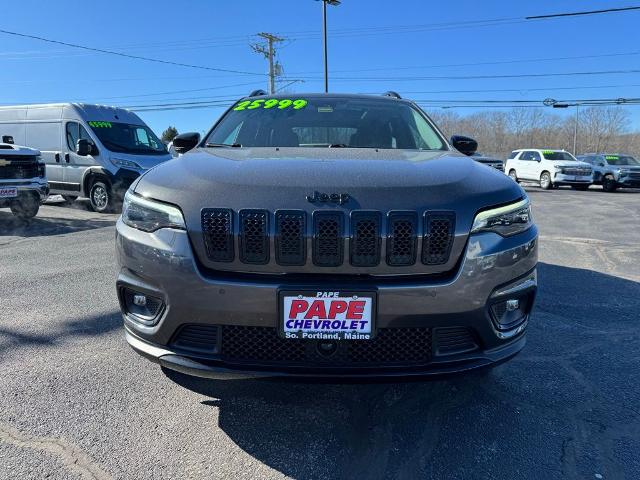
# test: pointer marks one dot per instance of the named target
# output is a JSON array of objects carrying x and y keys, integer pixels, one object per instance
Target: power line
[
  {"x": 126, "y": 55},
  {"x": 475, "y": 64},
  {"x": 589, "y": 12},
  {"x": 478, "y": 77}
]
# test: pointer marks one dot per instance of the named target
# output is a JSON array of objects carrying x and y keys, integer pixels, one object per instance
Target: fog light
[
  {"x": 140, "y": 300},
  {"x": 508, "y": 314},
  {"x": 143, "y": 308},
  {"x": 512, "y": 305}
]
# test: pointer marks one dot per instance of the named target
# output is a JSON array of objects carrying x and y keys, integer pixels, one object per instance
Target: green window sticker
[
  {"x": 612, "y": 157},
  {"x": 279, "y": 104},
  {"x": 548, "y": 152},
  {"x": 100, "y": 124}
]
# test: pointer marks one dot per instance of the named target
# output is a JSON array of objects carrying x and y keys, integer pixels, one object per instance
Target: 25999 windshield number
[{"x": 271, "y": 103}]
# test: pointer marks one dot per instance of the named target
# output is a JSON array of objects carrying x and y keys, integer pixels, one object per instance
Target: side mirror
[
  {"x": 465, "y": 145},
  {"x": 185, "y": 142},
  {"x": 84, "y": 147},
  {"x": 7, "y": 139}
]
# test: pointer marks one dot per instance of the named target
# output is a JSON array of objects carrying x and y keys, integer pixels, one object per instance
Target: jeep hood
[{"x": 273, "y": 179}]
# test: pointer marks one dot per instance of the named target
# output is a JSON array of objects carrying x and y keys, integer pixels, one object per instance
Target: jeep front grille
[
  {"x": 217, "y": 229},
  {"x": 328, "y": 239},
  {"x": 254, "y": 236},
  {"x": 438, "y": 238},
  {"x": 326, "y": 234},
  {"x": 290, "y": 235},
  {"x": 401, "y": 244},
  {"x": 365, "y": 239}
]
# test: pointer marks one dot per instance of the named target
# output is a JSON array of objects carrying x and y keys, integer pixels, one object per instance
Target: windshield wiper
[{"x": 213, "y": 145}]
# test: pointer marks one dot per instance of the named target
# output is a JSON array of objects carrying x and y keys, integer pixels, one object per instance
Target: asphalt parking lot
[{"x": 76, "y": 402}]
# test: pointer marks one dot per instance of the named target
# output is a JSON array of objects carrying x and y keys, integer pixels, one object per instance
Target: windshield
[
  {"x": 127, "y": 138},
  {"x": 552, "y": 155},
  {"x": 621, "y": 160},
  {"x": 326, "y": 122}
]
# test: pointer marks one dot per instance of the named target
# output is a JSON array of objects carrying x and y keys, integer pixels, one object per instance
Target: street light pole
[
  {"x": 575, "y": 131},
  {"x": 335, "y": 3},
  {"x": 550, "y": 102}
]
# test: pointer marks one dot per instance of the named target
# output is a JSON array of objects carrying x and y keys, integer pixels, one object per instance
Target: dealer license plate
[
  {"x": 327, "y": 315},
  {"x": 8, "y": 192}
]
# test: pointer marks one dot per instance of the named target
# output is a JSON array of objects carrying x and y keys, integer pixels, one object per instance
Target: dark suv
[{"x": 325, "y": 235}]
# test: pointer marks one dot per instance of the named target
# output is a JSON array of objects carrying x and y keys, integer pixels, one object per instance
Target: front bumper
[
  {"x": 562, "y": 179},
  {"x": 629, "y": 182},
  {"x": 34, "y": 186},
  {"x": 161, "y": 264}
]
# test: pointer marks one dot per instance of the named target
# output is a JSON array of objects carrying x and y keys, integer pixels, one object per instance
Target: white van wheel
[{"x": 101, "y": 197}]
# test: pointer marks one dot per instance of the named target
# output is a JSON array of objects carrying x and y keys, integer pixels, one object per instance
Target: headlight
[
  {"x": 149, "y": 215},
  {"x": 557, "y": 167},
  {"x": 505, "y": 221},
  {"x": 120, "y": 162}
]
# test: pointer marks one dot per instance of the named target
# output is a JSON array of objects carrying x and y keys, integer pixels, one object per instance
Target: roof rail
[
  {"x": 393, "y": 94},
  {"x": 257, "y": 93}
]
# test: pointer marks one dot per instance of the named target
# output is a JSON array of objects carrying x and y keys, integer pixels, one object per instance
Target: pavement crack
[{"x": 72, "y": 456}]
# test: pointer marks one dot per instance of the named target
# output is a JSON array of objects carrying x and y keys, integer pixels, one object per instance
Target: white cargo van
[{"x": 90, "y": 151}]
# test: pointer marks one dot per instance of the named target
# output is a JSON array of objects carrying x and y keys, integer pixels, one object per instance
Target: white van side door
[{"x": 75, "y": 165}]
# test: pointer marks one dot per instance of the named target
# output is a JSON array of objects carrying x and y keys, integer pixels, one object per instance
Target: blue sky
[{"x": 374, "y": 46}]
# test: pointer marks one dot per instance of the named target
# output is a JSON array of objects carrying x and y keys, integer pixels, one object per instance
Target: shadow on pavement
[
  {"x": 44, "y": 226},
  {"x": 90, "y": 326},
  {"x": 566, "y": 407}
]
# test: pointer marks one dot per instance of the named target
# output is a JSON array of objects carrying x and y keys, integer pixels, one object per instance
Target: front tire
[
  {"x": 545, "y": 181},
  {"x": 101, "y": 197},
  {"x": 609, "y": 184},
  {"x": 25, "y": 208},
  {"x": 513, "y": 175}
]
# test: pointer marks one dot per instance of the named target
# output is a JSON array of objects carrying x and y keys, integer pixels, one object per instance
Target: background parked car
[
  {"x": 490, "y": 161},
  {"x": 613, "y": 170},
  {"x": 550, "y": 168},
  {"x": 23, "y": 181}
]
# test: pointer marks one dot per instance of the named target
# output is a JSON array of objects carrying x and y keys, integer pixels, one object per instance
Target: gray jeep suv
[
  {"x": 613, "y": 170},
  {"x": 325, "y": 235}
]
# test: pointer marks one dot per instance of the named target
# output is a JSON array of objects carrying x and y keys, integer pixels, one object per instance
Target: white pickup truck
[{"x": 23, "y": 180}]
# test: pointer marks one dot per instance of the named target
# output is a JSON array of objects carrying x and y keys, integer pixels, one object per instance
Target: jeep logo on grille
[{"x": 339, "y": 198}]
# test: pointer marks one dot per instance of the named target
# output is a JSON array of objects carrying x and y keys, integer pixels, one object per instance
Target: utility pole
[{"x": 269, "y": 53}]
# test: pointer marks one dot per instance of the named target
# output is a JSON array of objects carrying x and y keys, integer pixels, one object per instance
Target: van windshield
[
  {"x": 127, "y": 138},
  {"x": 325, "y": 121}
]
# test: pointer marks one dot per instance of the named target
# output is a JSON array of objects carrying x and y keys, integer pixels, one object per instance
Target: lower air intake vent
[
  {"x": 365, "y": 240},
  {"x": 439, "y": 231},
  {"x": 401, "y": 243},
  {"x": 262, "y": 345},
  {"x": 254, "y": 236},
  {"x": 197, "y": 338},
  {"x": 451, "y": 340},
  {"x": 290, "y": 238},
  {"x": 328, "y": 239},
  {"x": 217, "y": 230}
]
